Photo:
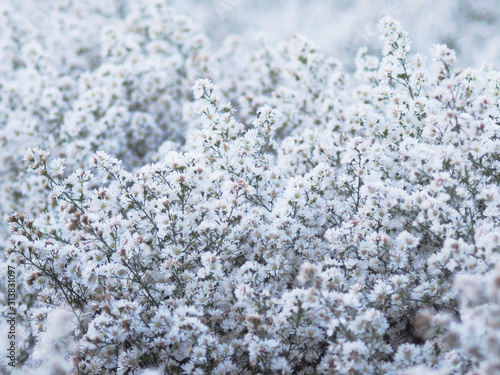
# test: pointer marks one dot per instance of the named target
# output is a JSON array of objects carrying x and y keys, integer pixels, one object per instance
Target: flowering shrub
[{"x": 284, "y": 217}]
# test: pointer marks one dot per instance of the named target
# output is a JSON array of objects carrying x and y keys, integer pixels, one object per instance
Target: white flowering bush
[{"x": 281, "y": 216}]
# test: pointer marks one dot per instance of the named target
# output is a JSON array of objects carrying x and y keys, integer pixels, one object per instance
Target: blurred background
[
  {"x": 338, "y": 27},
  {"x": 341, "y": 27}
]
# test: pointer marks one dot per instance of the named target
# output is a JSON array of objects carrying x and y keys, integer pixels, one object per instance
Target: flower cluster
[{"x": 280, "y": 217}]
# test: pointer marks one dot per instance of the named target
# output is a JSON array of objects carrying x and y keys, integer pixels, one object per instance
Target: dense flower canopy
[{"x": 173, "y": 208}]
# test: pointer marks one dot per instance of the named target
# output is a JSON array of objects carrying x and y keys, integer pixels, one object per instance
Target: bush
[{"x": 324, "y": 222}]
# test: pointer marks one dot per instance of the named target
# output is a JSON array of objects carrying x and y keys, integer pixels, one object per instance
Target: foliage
[{"x": 293, "y": 219}]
